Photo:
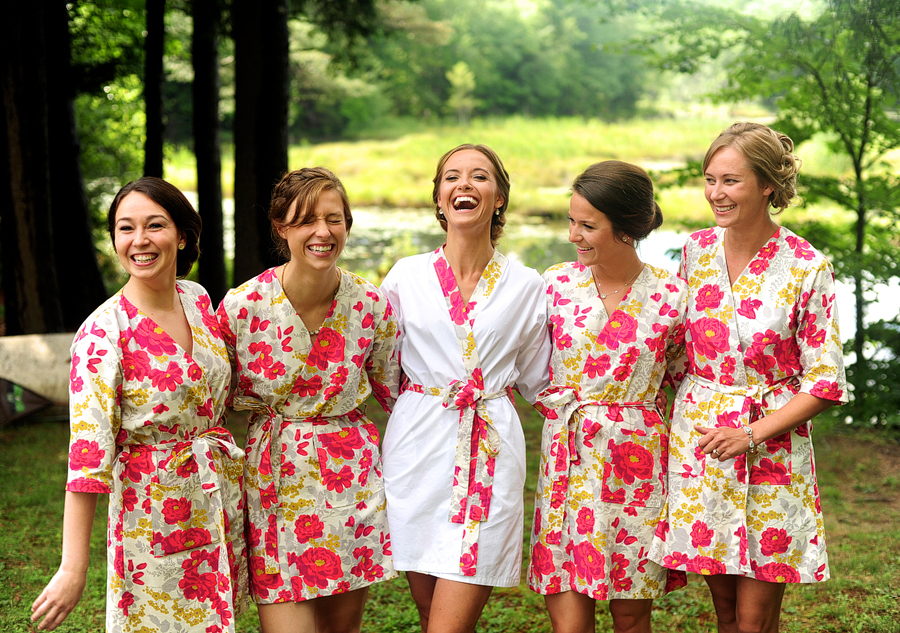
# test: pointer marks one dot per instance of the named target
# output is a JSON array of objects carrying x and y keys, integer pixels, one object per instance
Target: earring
[
  {"x": 181, "y": 246},
  {"x": 497, "y": 211},
  {"x": 440, "y": 212}
]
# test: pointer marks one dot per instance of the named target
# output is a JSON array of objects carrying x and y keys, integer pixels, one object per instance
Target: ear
[
  {"x": 500, "y": 202},
  {"x": 768, "y": 190}
]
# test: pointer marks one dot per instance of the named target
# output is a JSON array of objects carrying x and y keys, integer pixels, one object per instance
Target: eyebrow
[
  {"x": 148, "y": 219},
  {"x": 475, "y": 169}
]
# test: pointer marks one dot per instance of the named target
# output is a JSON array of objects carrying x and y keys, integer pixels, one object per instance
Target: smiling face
[
  {"x": 593, "y": 234},
  {"x": 734, "y": 192},
  {"x": 318, "y": 239},
  {"x": 146, "y": 239},
  {"x": 468, "y": 193}
]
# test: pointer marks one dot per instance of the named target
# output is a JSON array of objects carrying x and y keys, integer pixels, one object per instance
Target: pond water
[{"x": 380, "y": 236}]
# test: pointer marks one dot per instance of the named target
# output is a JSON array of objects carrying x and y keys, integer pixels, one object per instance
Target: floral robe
[
  {"x": 316, "y": 519},
  {"x": 146, "y": 427},
  {"x": 602, "y": 480},
  {"x": 752, "y": 345}
]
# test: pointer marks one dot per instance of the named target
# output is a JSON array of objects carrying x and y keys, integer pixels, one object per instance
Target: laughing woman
[
  {"x": 764, "y": 358},
  {"x": 309, "y": 342},
  {"x": 147, "y": 395},
  {"x": 473, "y": 325}
]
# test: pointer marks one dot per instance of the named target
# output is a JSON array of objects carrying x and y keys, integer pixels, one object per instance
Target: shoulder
[
  {"x": 362, "y": 289},
  {"x": 807, "y": 256},
  {"x": 407, "y": 269},
  {"x": 523, "y": 274},
  {"x": 105, "y": 322},
  {"x": 190, "y": 288},
  {"x": 704, "y": 238},
  {"x": 251, "y": 290},
  {"x": 666, "y": 279}
]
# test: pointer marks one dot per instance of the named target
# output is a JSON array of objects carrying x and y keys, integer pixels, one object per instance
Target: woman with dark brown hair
[
  {"x": 616, "y": 327},
  {"x": 147, "y": 394},
  {"x": 473, "y": 326},
  {"x": 309, "y": 342}
]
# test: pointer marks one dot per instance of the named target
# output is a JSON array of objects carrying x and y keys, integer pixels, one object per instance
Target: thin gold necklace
[{"x": 604, "y": 295}]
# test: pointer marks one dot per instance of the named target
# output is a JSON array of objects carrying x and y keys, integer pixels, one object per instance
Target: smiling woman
[
  {"x": 147, "y": 395},
  {"x": 309, "y": 343},
  {"x": 472, "y": 327}
]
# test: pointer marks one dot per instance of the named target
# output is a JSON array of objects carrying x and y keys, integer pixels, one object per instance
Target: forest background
[{"x": 222, "y": 96}]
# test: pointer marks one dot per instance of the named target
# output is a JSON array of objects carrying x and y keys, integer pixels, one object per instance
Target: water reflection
[{"x": 382, "y": 236}]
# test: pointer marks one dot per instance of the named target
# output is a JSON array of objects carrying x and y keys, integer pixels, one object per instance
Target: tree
[
  {"x": 462, "y": 82},
  {"x": 153, "y": 87},
  {"x": 51, "y": 281},
  {"x": 836, "y": 76},
  {"x": 207, "y": 145}
]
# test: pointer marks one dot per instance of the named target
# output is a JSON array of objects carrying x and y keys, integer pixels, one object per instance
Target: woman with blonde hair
[{"x": 765, "y": 358}]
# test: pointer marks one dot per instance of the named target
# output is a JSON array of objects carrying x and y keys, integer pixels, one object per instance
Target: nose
[
  {"x": 140, "y": 235},
  {"x": 714, "y": 191},
  {"x": 574, "y": 235},
  {"x": 322, "y": 228}
]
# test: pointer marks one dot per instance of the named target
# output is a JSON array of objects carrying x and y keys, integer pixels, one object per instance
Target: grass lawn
[{"x": 859, "y": 477}]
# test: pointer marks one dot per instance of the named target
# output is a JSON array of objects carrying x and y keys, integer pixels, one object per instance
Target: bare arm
[
  {"x": 64, "y": 590},
  {"x": 730, "y": 442}
]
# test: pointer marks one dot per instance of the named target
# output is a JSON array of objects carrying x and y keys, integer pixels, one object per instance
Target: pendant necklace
[{"x": 604, "y": 295}]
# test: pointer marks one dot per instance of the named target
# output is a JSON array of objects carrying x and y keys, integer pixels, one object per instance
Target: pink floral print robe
[
  {"x": 752, "y": 345},
  {"x": 316, "y": 518},
  {"x": 604, "y": 454},
  {"x": 146, "y": 422}
]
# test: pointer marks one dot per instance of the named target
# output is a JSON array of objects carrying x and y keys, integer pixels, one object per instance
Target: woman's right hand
[{"x": 58, "y": 599}]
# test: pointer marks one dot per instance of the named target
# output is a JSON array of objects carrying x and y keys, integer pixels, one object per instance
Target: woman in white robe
[{"x": 472, "y": 326}]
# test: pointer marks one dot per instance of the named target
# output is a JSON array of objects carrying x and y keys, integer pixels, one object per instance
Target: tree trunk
[
  {"x": 153, "y": 87},
  {"x": 80, "y": 283},
  {"x": 26, "y": 234},
  {"x": 207, "y": 146},
  {"x": 260, "y": 127}
]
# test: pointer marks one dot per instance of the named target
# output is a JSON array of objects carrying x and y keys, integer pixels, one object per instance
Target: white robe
[{"x": 419, "y": 450}]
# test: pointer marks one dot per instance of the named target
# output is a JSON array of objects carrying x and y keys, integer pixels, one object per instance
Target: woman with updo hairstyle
[
  {"x": 309, "y": 342},
  {"x": 616, "y": 330},
  {"x": 764, "y": 358},
  {"x": 147, "y": 400},
  {"x": 472, "y": 327}
]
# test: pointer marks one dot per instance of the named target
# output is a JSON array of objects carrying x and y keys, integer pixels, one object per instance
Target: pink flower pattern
[
  {"x": 138, "y": 402},
  {"x": 602, "y": 479},
  {"x": 329, "y": 463},
  {"x": 774, "y": 335}
]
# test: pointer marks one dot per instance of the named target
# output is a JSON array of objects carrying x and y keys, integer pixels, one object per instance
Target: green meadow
[
  {"x": 542, "y": 156},
  {"x": 859, "y": 478}
]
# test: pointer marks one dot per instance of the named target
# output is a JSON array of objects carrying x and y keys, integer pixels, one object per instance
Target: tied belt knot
[
  {"x": 272, "y": 455},
  {"x": 564, "y": 409},
  {"x": 477, "y": 445},
  {"x": 754, "y": 396}
]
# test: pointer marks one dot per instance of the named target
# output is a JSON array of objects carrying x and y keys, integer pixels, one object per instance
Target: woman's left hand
[
  {"x": 662, "y": 401},
  {"x": 722, "y": 442}
]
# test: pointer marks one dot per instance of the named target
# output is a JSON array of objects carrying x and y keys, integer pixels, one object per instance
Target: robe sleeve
[
  {"x": 818, "y": 337},
  {"x": 383, "y": 362},
  {"x": 95, "y": 417},
  {"x": 676, "y": 352},
  {"x": 533, "y": 358},
  {"x": 228, "y": 327}
]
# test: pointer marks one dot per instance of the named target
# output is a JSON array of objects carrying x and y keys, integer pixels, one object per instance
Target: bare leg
[
  {"x": 456, "y": 606},
  {"x": 571, "y": 612},
  {"x": 288, "y": 617},
  {"x": 746, "y": 605},
  {"x": 341, "y": 613},
  {"x": 421, "y": 588},
  {"x": 631, "y": 616}
]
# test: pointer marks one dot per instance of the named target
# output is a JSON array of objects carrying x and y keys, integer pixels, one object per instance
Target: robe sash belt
[
  {"x": 563, "y": 407},
  {"x": 272, "y": 459},
  {"x": 175, "y": 455}
]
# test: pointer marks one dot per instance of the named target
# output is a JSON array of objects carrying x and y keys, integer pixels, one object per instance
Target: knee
[
  {"x": 758, "y": 622},
  {"x": 630, "y": 616}
]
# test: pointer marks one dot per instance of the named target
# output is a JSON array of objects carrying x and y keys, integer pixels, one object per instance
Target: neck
[
  {"x": 156, "y": 297},
  {"x": 308, "y": 287},
  {"x": 618, "y": 270},
  {"x": 468, "y": 255},
  {"x": 748, "y": 240}
]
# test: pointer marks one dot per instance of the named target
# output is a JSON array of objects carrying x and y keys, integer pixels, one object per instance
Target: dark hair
[
  {"x": 623, "y": 193},
  {"x": 770, "y": 155},
  {"x": 170, "y": 198},
  {"x": 305, "y": 186},
  {"x": 498, "y": 220}
]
